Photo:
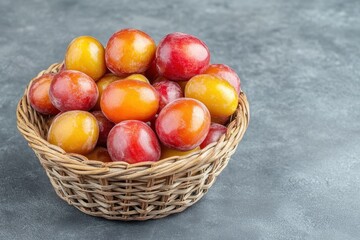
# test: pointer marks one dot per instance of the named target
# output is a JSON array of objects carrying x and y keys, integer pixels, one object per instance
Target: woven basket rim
[{"x": 79, "y": 164}]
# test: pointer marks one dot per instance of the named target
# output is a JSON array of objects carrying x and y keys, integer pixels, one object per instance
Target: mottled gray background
[{"x": 295, "y": 175}]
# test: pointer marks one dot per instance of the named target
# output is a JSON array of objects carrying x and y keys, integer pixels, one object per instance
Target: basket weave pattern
[{"x": 122, "y": 191}]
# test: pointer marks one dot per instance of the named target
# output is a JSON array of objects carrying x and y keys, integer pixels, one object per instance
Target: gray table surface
[{"x": 295, "y": 175}]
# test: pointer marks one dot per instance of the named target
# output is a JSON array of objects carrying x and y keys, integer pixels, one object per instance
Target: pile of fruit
[{"x": 134, "y": 101}]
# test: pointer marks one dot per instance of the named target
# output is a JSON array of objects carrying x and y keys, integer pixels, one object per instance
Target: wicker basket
[{"x": 122, "y": 191}]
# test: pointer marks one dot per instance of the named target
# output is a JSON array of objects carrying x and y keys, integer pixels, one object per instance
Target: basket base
[
  {"x": 120, "y": 216},
  {"x": 89, "y": 204}
]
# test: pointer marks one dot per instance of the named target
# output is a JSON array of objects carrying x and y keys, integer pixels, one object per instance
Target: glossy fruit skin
[
  {"x": 183, "y": 124},
  {"x": 74, "y": 131},
  {"x": 215, "y": 132},
  {"x": 168, "y": 92},
  {"x": 225, "y": 72},
  {"x": 100, "y": 154},
  {"x": 86, "y": 54},
  {"x": 133, "y": 141},
  {"x": 102, "y": 84},
  {"x": 104, "y": 127},
  {"x": 169, "y": 152},
  {"x": 129, "y": 51},
  {"x": 159, "y": 79},
  {"x": 39, "y": 95},
  {"x": 217, "y": 94},
  {"x": 129, "y": 100},
  {"x": 73, "y": 90},
  {"x": 180, "y": 56},
  {"x": 138, "y": 77}
]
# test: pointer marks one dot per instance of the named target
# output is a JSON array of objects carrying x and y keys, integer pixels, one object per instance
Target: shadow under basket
[{"x": 122, "y": 191}]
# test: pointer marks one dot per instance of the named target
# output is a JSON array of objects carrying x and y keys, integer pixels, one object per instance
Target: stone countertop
[{"x": 295, "y": 175}]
